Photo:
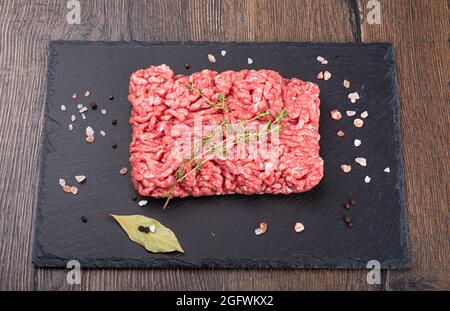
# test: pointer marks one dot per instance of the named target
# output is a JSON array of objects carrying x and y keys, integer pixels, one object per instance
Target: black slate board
[{"x": 219, "y": 231}]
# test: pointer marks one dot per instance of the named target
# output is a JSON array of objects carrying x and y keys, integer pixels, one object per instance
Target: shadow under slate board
[{"x": 218, "y": 231}]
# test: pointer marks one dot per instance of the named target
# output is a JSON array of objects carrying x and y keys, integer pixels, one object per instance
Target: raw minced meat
[{"x": 161, "y": 101}]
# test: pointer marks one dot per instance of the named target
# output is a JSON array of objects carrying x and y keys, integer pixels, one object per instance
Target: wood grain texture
[
  {"x": 27, "y": 27},
  {"x": 419, "y": 30}
]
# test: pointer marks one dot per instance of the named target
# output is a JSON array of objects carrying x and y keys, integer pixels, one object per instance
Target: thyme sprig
[
  {"x": 196, "y": 161},
  {"x": 221, "y": 97}
]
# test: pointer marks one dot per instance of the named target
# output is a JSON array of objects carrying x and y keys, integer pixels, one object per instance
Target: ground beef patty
[{"x": 162, "y": 100}]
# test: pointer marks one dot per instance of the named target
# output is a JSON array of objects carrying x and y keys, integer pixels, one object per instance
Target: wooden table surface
[{"x": 418, "y": 28}]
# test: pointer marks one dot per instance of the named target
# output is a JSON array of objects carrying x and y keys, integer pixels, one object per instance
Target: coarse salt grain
[
  {"x": 103, "y": 111},
  {"x": 142, "y": 202},
  {"x": 72, "y": 118},
  {"x": 80, "y": 178},
  {"x": 90, "y": 139},
  {"x": 63, "y": 107},
  {"x": 79, "y": 106},
  {"x": 340, "y": 133},
  {"x": 320, "y": 59},
  {"x": 84, "y": 109},
  {"x": 361, "y": 161},
  {"x": 67, "y": 189},
  {"x": 353, "y": 97},
  {"x": 74, "y": 95},
  {"x": 367, "y": 179},
  {"x": 346, "y": 84},
  {"x": 335, "y": 114},
  {"x": 358, "y": 123},
  {"x": 223, "y": 52},
  {"x": 211, "y": 58},
  {"x": 364, "y": 114},
  {"x": 327, "y": 75},
  {"x": 87, "y": 93},
  {"x": 83, "y": 116},
  {"x": 123, "y": 170},
  {"x": 249, "y": 61},
  {"x": 346, "y": 168},
  {"x": 70, "y": 127},
  {"x": 263, "y": 227},
  {"x": 387, "y": 170},
  {"x": 102, "y": 133},
  {"x": 357, "y": 142},
  {"x": 299, "y": 227},
  {"x": 258, "y": 231},
  {"x": 61, "y": 182},
  {"x": 89, "y": 131},
  {"x": 74, "y": 190},
  {"x": 351, "y": 113},
  {"x": 152, "y": 228},
  {"x": 320, "y": 75}
]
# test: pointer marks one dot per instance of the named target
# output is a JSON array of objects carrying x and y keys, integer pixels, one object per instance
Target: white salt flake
[
  {"x": 72, "y": 118},
  {"x": 63, "y": 107},
  {"x": 102, "y": 133},
  {"x": 351, "y": 113},
  {"x": 353, "y": 97},
  {"x": 80, "y": 178},
  {"x": 211, "y": 58},
  {"x": 223, "y": 53},
  {"x": 84, "y": 109},
  {"x": 152, "y": 228},
  {"x": 367, "y": 179},
  {"x": 364, "y": 114},
  {"x": 387, "y": 170},
  {"x": 320, "y": 59},
  {"x": 62, "y": 182},
  {"x": 142, "y": 202},
  {"x": 361, "y": 161},
  {"x": 249, "y": 61},
  {"x": 87, "y": 93},
  {"x": 103, "y": 111},
  {"x": 74, "y": 190},
  {"x": 83, "y": 116},
  {"x": 70, "y": 127},
  {"x": 327, "y": 75},
  {"x": 79, "y": 106},
  {"x": 258, "y": 231},
  {"x": 89, "y": 131},
  {"x": 74, "y": 95},
  {"x": 299, "y": 227},
  {"x": 357, "y": 142}
]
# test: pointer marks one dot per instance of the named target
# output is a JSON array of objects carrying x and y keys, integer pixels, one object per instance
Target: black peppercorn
[
  {"x": 347, "y": 220},
  {"x": 114, "y": 122},
  {"x": 114, "y": 146},
  {"x": 187, "y": 66},
  {"x": 110, "y": 97},
  {"x": 146, "y": 229},
  {"x": 84, "y": 219},
  {"x": 93, "y": 106},
  {"x": 352, "y": 202},
  {"x": 350, "y": 225},
  {"x": 141, "y": 228},
  {"x": 134, "y": 197},
  {"x": 347, "y": 205}
]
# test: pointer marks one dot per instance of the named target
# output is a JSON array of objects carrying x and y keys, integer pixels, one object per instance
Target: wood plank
[
  {"x": 28, "y": 25},
  {"x": 419, "y": 30}
]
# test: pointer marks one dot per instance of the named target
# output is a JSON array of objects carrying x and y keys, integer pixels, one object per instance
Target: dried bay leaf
[{"x": 163, "y": 240}]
